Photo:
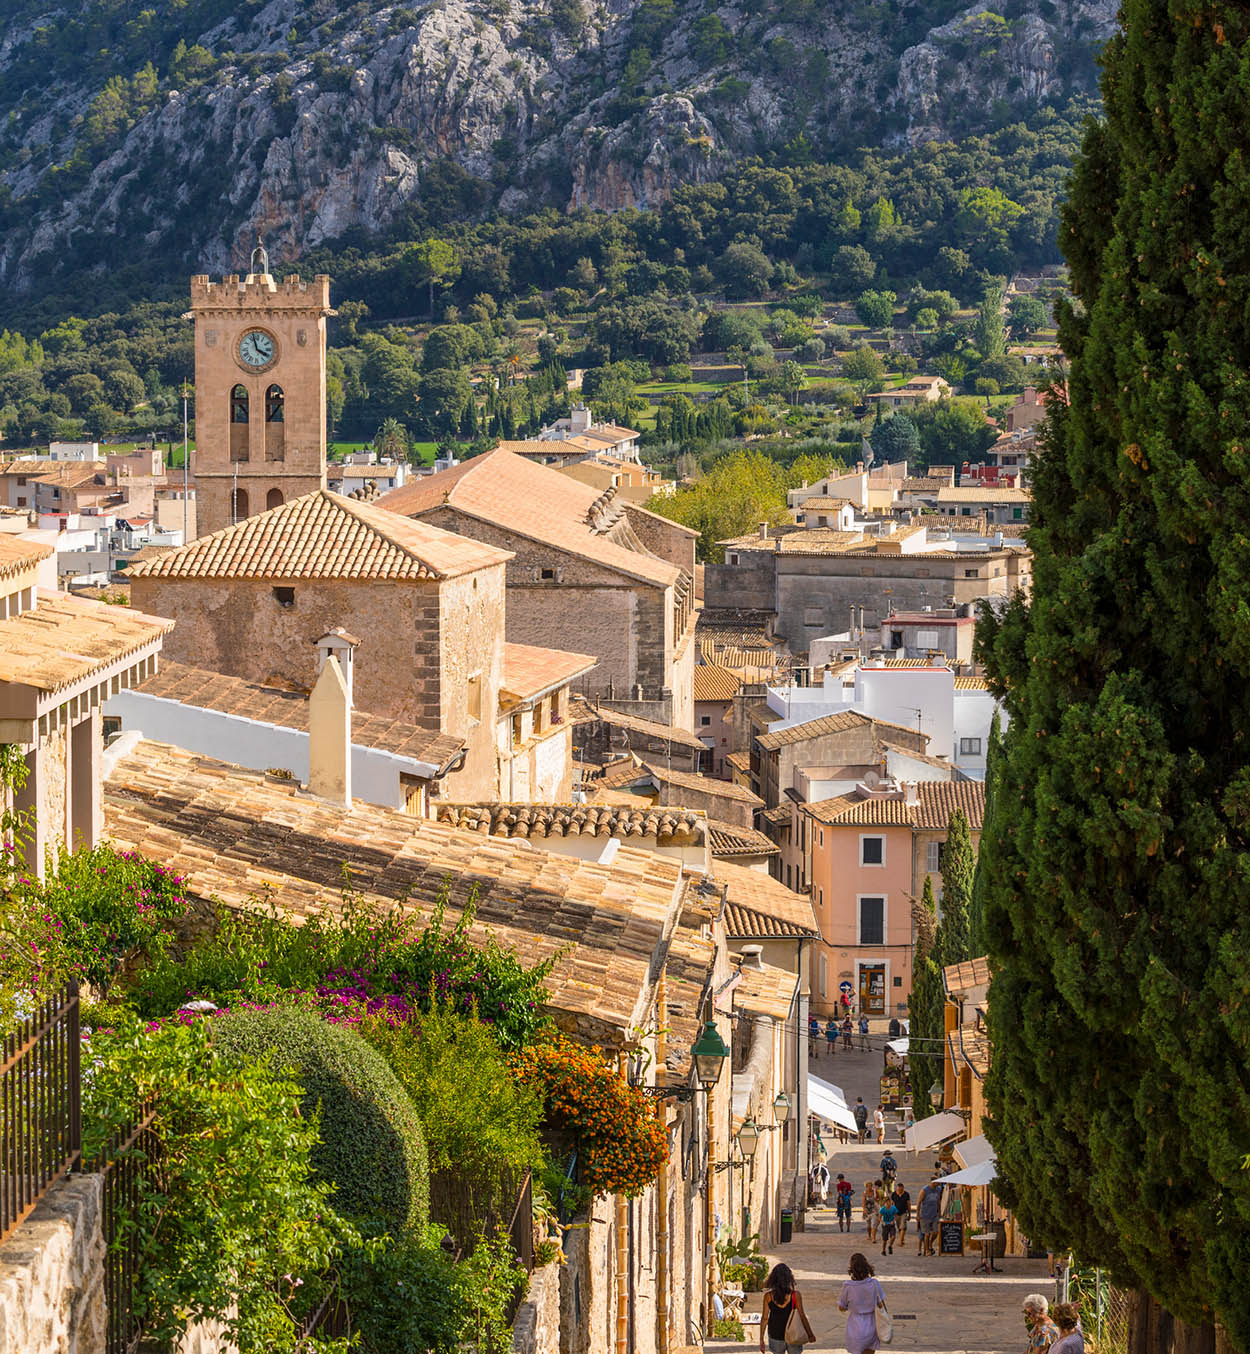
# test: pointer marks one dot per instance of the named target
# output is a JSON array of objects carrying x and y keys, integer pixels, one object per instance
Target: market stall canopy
[
  {"x": 899, "y": 1046},
  {"x": 974, "y": 1151},
  {"x": 826, "y": 1102},
  {"x": 983, "y": 1173},
  {"x": 929, "y": 1132}
]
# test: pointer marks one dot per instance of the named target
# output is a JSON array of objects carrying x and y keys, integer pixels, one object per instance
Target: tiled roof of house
[
  {"x": 715, "y": 683},
  {"x": 971, "y": 1042},
  {"x": 964, "y": 977},
  {"x": 324, "y": 535},
  {"x": 669, "y": 826},
  {"x": 289, "y": 710},
  {"x": 971, "y": 684},
  {"x": 826, "y": 724},
  {"x": 824, "y": 501},
  {"x": 779, "y": 815},
  {"x": 937, "y": 800},
  {"x": 17, "y": 555},
  {"x": 707, "y": 785},
  {"x": 899, "y": 750},
  {"x": 529, "y": 671},
  {"x": 64, "y": 639},
  {"x": 767, "y": 991},
  {"x": 532, "y": 500},
  {"x": 746, "y": 628},
  {"x": 982, "y": 494},
  {"x": 247, "y": 842},
  {"x": 69, "y": 474},
  {"x": 581, "y": 711},
  {"x": 728, "y": 840},
  {"x": 740, "y": 761},
  {"x": 762, "y": 894},
  {"x": 743, "y": 923}
]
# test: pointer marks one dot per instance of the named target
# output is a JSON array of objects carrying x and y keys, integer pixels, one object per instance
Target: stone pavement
[{"x": 940, "y": 1306}]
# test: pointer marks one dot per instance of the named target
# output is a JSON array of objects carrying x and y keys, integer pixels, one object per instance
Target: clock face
[{"x": 257, "y": 349}]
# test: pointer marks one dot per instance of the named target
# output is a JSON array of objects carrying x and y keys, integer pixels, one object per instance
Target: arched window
[
  {"x": 273, "y": 499},
  {"x": 238, "y": 405},
  {"x": 273, "y": 404},
  {"x": 240, "y": 505}
]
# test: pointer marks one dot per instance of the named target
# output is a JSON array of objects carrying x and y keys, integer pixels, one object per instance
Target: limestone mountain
[{"x": 180, "y": 130}]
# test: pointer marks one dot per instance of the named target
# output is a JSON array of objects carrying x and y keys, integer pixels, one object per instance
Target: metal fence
[
  {"x": 1104, "y": 1310},
  {"x": 129, "y": 1163},
  {"x": 40, "y": 1106}
]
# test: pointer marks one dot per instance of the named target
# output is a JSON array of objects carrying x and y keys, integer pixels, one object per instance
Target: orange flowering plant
[{"x": 620, "y": 1139}]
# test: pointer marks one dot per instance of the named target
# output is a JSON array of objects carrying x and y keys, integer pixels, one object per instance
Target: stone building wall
[
  {"x": 470, "y": 633},
  {"x": 666, "y": 540},
  {"x": 52, "y": 1274},
  {"x": 750, "y": 584},
  {"x": 536, "y": 1329}
]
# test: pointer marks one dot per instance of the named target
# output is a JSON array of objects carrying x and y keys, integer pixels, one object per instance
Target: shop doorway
[{"x": 872, "y": 989}]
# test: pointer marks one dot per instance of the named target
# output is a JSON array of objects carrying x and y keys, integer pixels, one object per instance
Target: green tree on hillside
[
  {"x": 733, "y": 498},
  {"x": 991, "y": 336},
  {"x": 1116, "y": 909},
  {"x": 876, "y": 308}
]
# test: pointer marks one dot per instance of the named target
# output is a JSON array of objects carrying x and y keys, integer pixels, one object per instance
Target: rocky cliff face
[{"x": 306, "y": 133}]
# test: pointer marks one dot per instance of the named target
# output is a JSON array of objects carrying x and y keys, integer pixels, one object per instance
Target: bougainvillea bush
[{"x": 620, "y": 1138}]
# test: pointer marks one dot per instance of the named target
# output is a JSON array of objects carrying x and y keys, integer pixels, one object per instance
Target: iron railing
[
  {"x": 128, "y": 1163},
  {"x": 40, "y": 1106}
]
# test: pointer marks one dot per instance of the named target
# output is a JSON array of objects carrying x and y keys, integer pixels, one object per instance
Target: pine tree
[
  {"x": 924, "y": 1006},
  {"x": 991, "y": 335},
  {"x": 1118, "y": 857},
  {"x": 954, "y": 939}
]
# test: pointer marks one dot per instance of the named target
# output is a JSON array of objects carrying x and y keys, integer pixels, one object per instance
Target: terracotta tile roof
[
  {"x": 818, "y": 728},
  {"x": 938, "y": 799},
  {"x": 707, "y": 785},
  {"x": 744, "y": 923},
  {"x": 824, "y": 501},
  {"x": 688, "y": 975},
  {"x": 17, "y": 555},
  {"x": 761, "y": 893},
  {"x": 324, "y": 535},
  {"x": 529, "y": 671},
  {"x": 715, "y": 683},
  {"x": 531, "y": 447},
  {"x": 247, "y": 842},
  {"x": 767, "y": 991},
  {"x": 728, "y": 840},
  {"x": 922, "y": 484},
  {"x": 983, "y": 494},
  {"x": 779, "y": 815},
  {"x": 69, "y": 474},
  {"x": 740, "y": 761},
  {"x": 972, "y": 1044},
  {"x": 535, "y": 501},
  {"x": 289, "y": 710},
  {"x": 679, "y": 827},
  {"x": 583, "y": 712},
  {"x": 64, "y": 639},
  {"x": 965, "y": 977},
  {"x": 971, "y": 684},
  {"x": 901, "y": 751},
  {"x": 614, "y": 431}
]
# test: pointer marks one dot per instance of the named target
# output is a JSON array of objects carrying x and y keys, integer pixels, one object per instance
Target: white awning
[
  {"x": 933, "y": 1130},
  {"x": 983, "y": 1173},
  {"x": 974, "y": 1151},
  {"x": 899, "y": 1046},
  {"x": 825, "y": 1102}
]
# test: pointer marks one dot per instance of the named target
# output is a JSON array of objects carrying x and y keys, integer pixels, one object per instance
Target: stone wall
[
  {"x": 52, "y": 1274},
  {"x": 470, "y": 632},
  {"x": 536, "y": 1329}
]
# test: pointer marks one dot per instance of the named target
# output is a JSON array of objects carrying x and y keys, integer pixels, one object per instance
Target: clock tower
[{"x": 260, "y": 392}]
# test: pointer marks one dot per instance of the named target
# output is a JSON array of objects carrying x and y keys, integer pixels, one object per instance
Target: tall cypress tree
[
  {"x": 954, "y": 940},
  {"x": 980, "y": 878},
  {"x": 1118, "y": 861},
  {"x": 924, "y": 1005}
]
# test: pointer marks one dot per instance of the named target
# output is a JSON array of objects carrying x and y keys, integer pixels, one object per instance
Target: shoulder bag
[
  {"x": 885, "y": 1322},
  {"x": 796, "y": 1328}
]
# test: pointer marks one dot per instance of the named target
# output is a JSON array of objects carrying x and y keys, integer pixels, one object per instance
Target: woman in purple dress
[{"x": 860, "y": 1297}]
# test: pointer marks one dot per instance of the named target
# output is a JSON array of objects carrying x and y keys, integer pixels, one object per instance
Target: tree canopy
[{"x": 1115, "y": 908}]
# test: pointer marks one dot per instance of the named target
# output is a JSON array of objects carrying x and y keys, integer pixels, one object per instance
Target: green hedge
[{"x": 371, "y": 1145}]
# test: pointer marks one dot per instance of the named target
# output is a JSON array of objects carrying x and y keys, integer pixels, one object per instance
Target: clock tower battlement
[{"x": 260, "y": 392}]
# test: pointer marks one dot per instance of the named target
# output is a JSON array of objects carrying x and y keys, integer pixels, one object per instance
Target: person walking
[
  {"x": 872, "y": 1211},
  {"x": 878, "y": 1119},
  {"x": 861, "y": 1117},
  {"x": 928, "y": 1218},
  {"x": 831, "y": 1034},
  {"x": 889, "y": 1171},
  {"x": 1042, "y": 1330},
  {"x": 781, "y": 1300},
  {"x": 860, "y": 1297},
  {"x": 813, "y": 1036},
  {"x": 844, "y": 1190},
  {"x": 820, "y": 1182},
  {"x": 846, "y": 1035},
  {"x": 889, "y": 1225},
  {"x": 1070, "y": 1341},
  {"x": 863, "y": 1032},
  {"x": 901, "y": 1200}
]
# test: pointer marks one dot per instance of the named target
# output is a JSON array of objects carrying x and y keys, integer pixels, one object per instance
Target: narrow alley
[{"x": 940, "y": 1306}]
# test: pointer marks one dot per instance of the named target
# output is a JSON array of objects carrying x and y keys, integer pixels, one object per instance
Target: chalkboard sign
[{"x": 951, "y": 1238}]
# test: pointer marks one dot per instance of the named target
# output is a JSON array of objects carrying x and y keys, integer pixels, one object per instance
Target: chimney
[
  {"x": 330, "y": 735},
  {"x": 763, "y": 531},
  {"x": 911, "y": 793},
  {"x": 752, "y": 958},
  {"x": 337, "y": 643}
]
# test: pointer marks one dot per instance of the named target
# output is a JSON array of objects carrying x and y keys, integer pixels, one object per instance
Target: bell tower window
[
  {"x": 239, "y": 508},
  {"x": 275, "y": 424},
  {"x": 240, "y": 418},
  {"x": 273, "y": 499}
]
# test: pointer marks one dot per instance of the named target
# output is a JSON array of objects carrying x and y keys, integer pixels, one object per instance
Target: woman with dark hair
[
  {"x": 781, "y": 1302},
  {"x": 861, "y": 1295}
]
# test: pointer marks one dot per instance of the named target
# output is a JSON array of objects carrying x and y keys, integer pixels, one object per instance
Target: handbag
[
  {"x": 885, "y": 1326},
  {"x": 796, "y": 1329}
]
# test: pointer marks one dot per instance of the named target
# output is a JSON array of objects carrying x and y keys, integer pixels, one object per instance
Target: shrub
[
  {"x": 621, "y": 1139},
  {"x": 371, "y": 1147},
  {"x": 481, "y": 1125},
  {"x": 235, "y": 1225}
]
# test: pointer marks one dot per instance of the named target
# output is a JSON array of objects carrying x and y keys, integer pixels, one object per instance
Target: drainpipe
[
  {"x": 661, "y": 1229},
  {"x": 622, "y": 1260}
]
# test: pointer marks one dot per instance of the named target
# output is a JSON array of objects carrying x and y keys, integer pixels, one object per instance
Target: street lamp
[
  {"x": 748, "y": 1138},
  {"x": 781, "y": 1107},
  {"x": 709, "y": 1054},
  {"x": 936, "y": 1092}
]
